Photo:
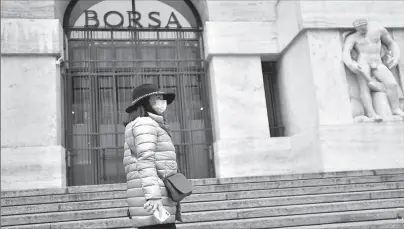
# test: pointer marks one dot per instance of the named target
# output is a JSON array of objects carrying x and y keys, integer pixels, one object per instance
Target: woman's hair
[{"x": 140, "y": 111}]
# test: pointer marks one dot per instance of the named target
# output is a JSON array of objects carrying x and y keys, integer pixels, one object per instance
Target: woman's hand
[{"x": 153, "y": 205}]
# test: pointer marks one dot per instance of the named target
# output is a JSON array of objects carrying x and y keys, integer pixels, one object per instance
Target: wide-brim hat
[{"x": 143, "y": 91}]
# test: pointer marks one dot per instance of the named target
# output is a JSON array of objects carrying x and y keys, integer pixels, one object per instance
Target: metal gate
[{"x": 103, "y": 67}]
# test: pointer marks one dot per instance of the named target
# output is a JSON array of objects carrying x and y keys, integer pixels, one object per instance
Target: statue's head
[{"x": 361, "y": 25}]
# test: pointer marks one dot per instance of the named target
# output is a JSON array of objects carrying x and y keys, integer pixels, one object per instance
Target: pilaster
[{"x": 31, "y": 102}]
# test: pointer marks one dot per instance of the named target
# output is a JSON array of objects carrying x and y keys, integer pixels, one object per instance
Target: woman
[{"x": 149, "y": 157}]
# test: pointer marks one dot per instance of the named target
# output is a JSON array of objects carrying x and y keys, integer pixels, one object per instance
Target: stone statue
[{"x": 372, "y": 73}]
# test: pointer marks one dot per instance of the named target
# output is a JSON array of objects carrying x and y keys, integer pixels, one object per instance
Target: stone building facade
[{"x": 302, "y": 38}]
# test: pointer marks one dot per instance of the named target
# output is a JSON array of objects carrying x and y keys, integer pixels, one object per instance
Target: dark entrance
[
  {"x": 272, "y": 97},
  {"x": 104, "y": 64}
]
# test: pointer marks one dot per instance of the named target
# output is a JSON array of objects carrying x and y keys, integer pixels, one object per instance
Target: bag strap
[{"x": 165, "y": 127}]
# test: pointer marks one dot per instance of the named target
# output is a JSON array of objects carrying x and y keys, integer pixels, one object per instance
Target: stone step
[
  {"x": 299, "y": 220},
  {"x": 379, "y": 224},
  {"x": 286, "y": 200},
  {"x": 298, "y": 183},
  {"x": 266, "y": 222},
  {"x": 291, "y": 201},
  {"x": 247, "y": 213},
  {"x": 203, "y": 182},
  {"x": 226, "y": 211},
  {"x": 252, "y": 201},
  {"x": 212, "y": 189}
]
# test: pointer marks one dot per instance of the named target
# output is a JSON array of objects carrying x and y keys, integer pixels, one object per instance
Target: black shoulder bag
[{"x": 178, "y": 186}]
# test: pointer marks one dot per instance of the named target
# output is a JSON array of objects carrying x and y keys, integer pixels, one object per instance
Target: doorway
[{"x": 103, "y": 65}]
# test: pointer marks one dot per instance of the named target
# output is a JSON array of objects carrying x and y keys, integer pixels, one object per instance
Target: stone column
[
  {"x": 238, "y": 105},
  {"x": 31, "y": 134},
  {"x": 239, "y": 113}
]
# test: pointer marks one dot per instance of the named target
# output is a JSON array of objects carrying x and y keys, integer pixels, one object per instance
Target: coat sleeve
[{"x": 144, "y": 140}]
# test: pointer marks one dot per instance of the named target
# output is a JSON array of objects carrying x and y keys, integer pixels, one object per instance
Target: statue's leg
[
  {"x": 366, "y": 97},
  {"x": 385, "y": 76}
]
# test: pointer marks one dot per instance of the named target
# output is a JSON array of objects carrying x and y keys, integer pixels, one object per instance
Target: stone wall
[
  {"x": 31, "y": 133},
  {"x": 241, "y": 28},
  {"x": 341, "y": 14},
  {"x": 242, "y": 11},
  {"x": 297, "y": 92},
  {"x": 302, "y": 35},
  {"x": 316, "y": 92},
  {"x": 28, "y": 9},
  {"x": 362, "y": 146},
  {"x": 31, "y": 101},
  {"x": 298, "y": 15},
  {"x": 322, "y": 23}
]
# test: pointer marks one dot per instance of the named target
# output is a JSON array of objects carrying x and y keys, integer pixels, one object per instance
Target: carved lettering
[
  {"x": 173, "y": 20},
  {"x": 91, "y": 15},
  {"x": 152, "y": 17},
  {"x": 134, "y": 17},
  {"x": 120, "y": 24}
]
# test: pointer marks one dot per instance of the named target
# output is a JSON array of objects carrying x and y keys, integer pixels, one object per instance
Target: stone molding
[
  {"x": 295, "y": 17},
  {"x": 28, "y": 9},
  {"x": 31, "y": 36},
  {"x": 230, "y": 38}
]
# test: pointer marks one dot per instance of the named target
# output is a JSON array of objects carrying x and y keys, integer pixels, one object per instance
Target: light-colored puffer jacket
[{"x": 149, "y": 157}]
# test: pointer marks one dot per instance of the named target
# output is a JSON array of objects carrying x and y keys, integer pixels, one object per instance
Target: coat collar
[{"x": 158, "y": 118}]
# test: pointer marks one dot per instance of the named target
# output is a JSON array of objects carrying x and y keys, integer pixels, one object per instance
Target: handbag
[{"x": 178, "y": 186}]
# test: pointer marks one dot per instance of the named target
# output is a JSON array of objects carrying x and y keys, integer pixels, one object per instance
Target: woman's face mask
[{"x": 158, "y": 103}]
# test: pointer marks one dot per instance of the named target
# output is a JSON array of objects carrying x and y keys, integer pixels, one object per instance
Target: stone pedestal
[
  {"x": 31, "y": 105},
  {"x": 312, "y": 82},
  {"x": 33, "y": 167},
  {"x": 269, "y": 156},
  {"x": 362, "y": 146},
  {"x": 239, "y": 114}
]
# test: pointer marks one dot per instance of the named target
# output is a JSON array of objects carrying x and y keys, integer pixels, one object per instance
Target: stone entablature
[
  {"x": 31, "y": 36},
  {"x": 296, "y": 16},
  {"x": 258, "y": 27}
]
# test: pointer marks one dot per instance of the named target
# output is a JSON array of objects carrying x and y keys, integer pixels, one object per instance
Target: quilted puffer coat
[{"x": 149, "y": 157}]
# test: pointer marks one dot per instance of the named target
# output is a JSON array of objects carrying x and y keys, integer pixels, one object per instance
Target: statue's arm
[
  {"x": 346, "y": 53},
  {"x": 390, "y": 43}
]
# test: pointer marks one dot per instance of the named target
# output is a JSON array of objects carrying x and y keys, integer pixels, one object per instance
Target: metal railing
[{"x": 103, "y": 67}]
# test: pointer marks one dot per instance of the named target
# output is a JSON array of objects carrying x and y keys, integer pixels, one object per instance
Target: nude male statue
[{"x": 367, "y": 42}]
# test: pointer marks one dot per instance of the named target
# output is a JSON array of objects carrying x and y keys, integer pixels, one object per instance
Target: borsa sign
[{"x": 133, "y": 17}]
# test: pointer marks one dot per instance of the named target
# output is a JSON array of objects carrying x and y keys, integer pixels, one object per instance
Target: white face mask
[{"x": 158, "y": 103}]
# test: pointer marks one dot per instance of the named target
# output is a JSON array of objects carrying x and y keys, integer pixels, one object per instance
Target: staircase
[{"x": 341, "y": 200}]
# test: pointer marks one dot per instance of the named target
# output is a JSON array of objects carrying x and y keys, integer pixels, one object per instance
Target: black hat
[{"x": 145, "y": 90}]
